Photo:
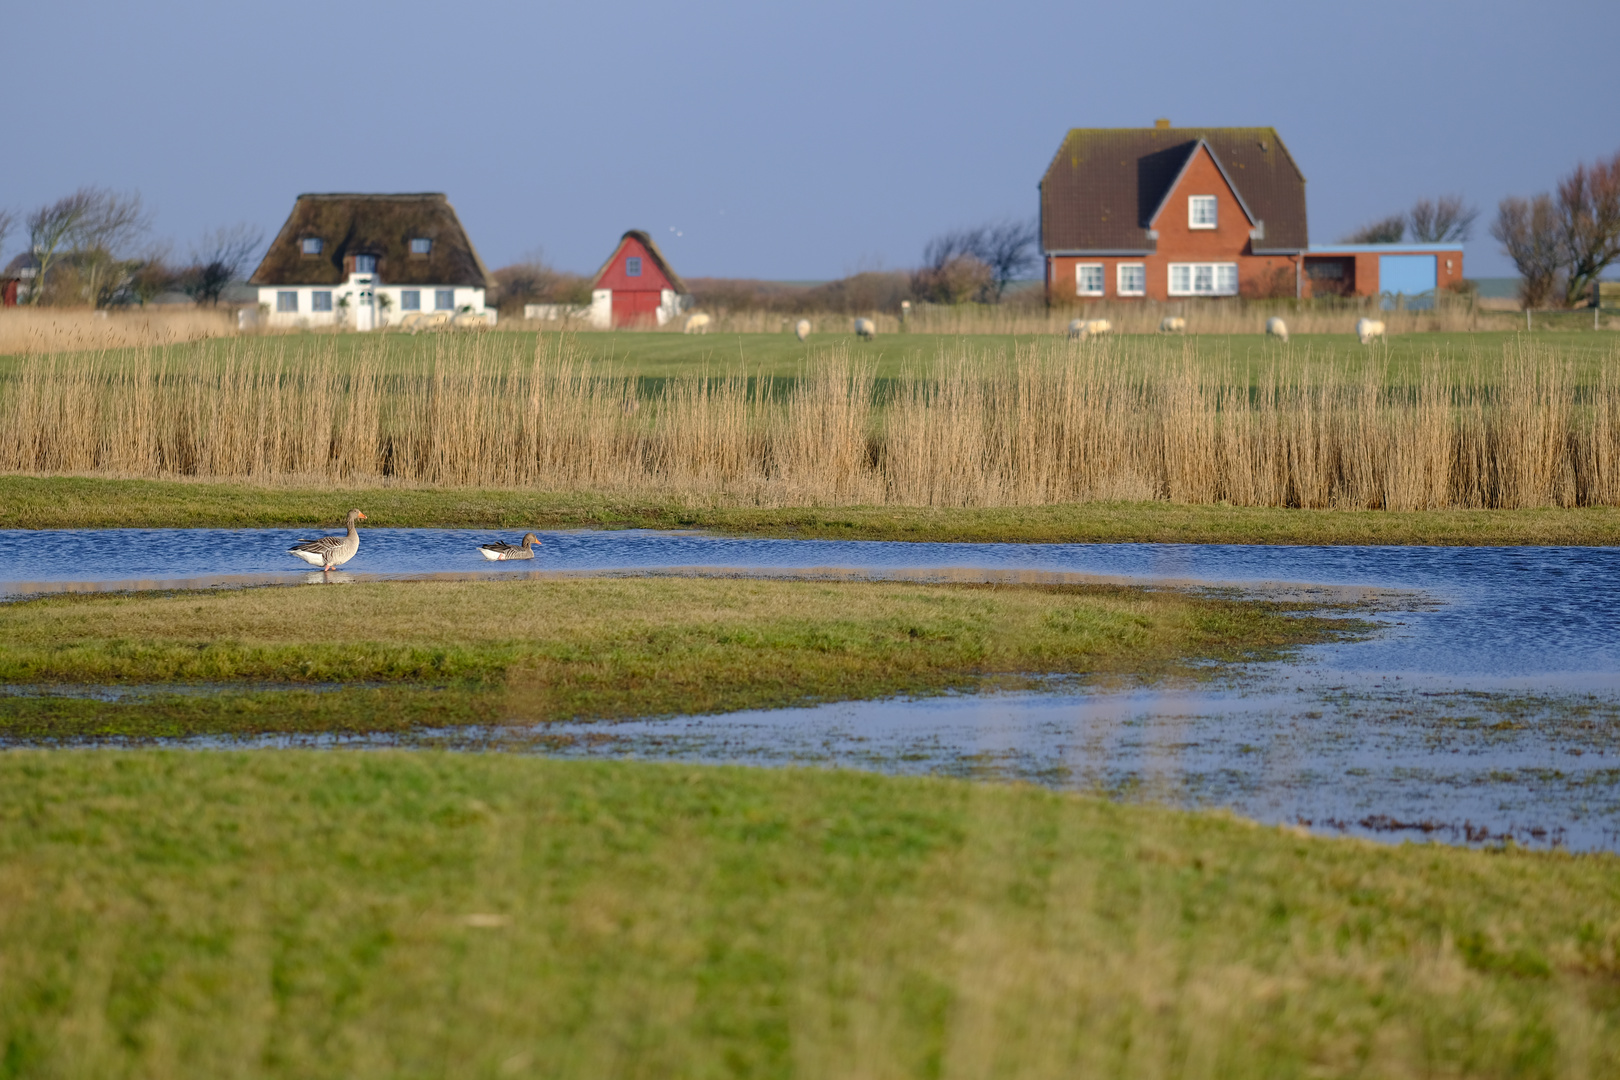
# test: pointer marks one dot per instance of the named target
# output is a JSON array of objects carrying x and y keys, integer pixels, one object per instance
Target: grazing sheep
[
  {"x": 1367, "y": 329},
  {"x": 470, "y": 320},
  {"x": 865, "y": 328},
  {"x": 1276, "y": 328},
  {"x": 1172, "y": 324},
  {"x": 697, "y": 323},
  {"x": 1084, "y": 328},
  {"x": 801, "y": 329}
]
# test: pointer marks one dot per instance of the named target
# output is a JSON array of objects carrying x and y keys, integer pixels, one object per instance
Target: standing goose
[
  {"x": 330, "y": 552},
  {"x": 499, "y": 551}
]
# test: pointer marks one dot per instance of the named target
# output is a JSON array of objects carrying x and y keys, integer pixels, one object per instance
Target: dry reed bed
[
  {"x": 1053, "y": 422},
  {"x": 51, "y": 330}
]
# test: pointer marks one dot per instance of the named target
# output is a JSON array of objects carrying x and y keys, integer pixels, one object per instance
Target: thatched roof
[
  {"x": 646, "y": 241},
  {"x": 380, "y": 225}
]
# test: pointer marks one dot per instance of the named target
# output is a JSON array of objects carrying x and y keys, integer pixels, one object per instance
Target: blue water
[{"x": 1486, "y": 706}]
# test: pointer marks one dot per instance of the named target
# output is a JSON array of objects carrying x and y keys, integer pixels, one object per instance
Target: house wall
[
  {"x": 1448, "y": 263},
  {"x": 1179, "y": 242},
  {"x": 306, "y": 315}
]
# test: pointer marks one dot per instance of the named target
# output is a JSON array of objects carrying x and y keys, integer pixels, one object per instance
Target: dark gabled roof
[
  {"x": 1106, "y": 184},
  {"x": 380, "y": 225},
  {"x": 652, "y": 249}
]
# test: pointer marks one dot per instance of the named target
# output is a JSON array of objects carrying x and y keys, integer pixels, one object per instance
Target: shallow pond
[{"x": 1488, "y": 707}]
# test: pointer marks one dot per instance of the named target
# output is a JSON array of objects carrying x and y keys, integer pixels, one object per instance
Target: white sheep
[
  {"x": 1276, "y": 328},
  {"x": 801, "y": 329},
  {"x": 1172, "y": 324},
  {"x": 697, "y": 323},
  {"x": 470, "y": 320},
  {"x": 1367, "y": 329},
  {"x": 865, "y": 328},
  {"x": 1084, "y": 328}
]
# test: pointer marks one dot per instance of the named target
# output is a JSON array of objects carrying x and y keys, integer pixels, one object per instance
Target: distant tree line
[
  {"x": 1563, "y": 241},
  {"x": 93, "y": 247},
  {"x": 972, "y": 265}
]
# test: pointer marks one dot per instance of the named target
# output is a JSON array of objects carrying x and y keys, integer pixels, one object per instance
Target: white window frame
[
  {"x": 311, "y": 245},
  {"x": 1079, "y": 282},
  {"x": 370, "y": 268},
  {"x": 444, "y": 299},
  {"x": 286, "y": 301},
  {"x": 410, "y": 299},
  {"x": 1121, "y": 289},
  {"x": 1194, "y": 220},
  {"x": 421, "y": 245},
  {"x": 1196, "y": 273},
  {"x": 320, "y": 300}
]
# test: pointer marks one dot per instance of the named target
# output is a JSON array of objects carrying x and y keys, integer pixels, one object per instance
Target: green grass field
[
  {"x": 287, "y": 914},
  {"x": 657, "y": 356},
  {"x": 415, "y": 654},
  {"x": 66, "y": 502}
]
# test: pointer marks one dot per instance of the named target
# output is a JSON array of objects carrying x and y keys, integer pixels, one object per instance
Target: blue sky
[{"x": 764, "y": 140}]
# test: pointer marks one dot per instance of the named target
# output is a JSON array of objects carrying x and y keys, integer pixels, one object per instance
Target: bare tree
[
  {"x": 1390, "y": 230},
  {"x": 975, "y": 264},
  {"x": 1446, "y": 220},
  {"x": 218, "y": 259},
  {"x": 8, "y": 221},
  {"x": 1008, "y": 249},
  {"x": 1589, "y": 225},
  {"x": 52, "y": 230},
  {"x": 1529, "y": 232},
  {"x": 102, "y": 241}
]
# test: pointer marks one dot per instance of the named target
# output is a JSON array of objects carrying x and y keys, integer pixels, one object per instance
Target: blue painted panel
[{"x": 1412, "y": 275}]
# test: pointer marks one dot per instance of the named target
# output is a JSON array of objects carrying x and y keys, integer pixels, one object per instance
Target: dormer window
[
  {"x": 365, "y": 264},
  {"x": 1200, "y": 211},
  {"x": 632, "y": 266},
  {"x": 421, "y": 245},
  {"x": 312, "y": 245}
]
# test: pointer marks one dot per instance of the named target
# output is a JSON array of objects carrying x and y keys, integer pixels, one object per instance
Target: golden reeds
[
  {"x": 53, "y": 329},
  {"x": 1047, "y": 422}
]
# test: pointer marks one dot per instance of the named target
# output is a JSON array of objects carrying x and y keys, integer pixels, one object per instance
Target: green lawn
[
  {"x": 656, "y": 356},
  {"x": 415, "y": 654},
  {"x": 88, "y": 503},
  {"x": 287, "y": 914}
]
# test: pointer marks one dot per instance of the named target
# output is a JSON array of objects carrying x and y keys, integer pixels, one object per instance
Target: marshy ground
[{"x": 382, "y": 912}]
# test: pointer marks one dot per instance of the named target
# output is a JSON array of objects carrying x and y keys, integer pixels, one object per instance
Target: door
[
  {"x": 634, "y": 308},
  {"x": 1410, "y": 277}
]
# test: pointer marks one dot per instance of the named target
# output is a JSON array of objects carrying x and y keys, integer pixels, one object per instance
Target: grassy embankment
[
  {"x": 73, "y": 502},
  {"x": 372, "y": 915},
  {"x": 412, "y": 654}
]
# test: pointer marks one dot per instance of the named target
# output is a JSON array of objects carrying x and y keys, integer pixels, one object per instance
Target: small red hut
[{"x": 636, "y": 287}]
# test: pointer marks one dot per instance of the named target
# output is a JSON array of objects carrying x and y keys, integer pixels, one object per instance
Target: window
[
  {"x": 1088, "y": 279},
  {"x": 410, "y": 300},
  {"x": 1132, "y": 279},
  {"x": 312, "y": 245},
  {"x": 1200, "y": 211},
  {"x": 286, "y": 301},
  {"x": 444, "y": 299},
  {"x": 365, "y": 264},
  {"x": 320, "y": 301},
  {"x": 632, "y": 266},
  {"x": 421, "y": 245},
  {"x": 1203, "y": 279}
]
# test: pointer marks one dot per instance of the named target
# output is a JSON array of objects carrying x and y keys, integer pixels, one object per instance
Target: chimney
[{"x": 1162, "y": 124}]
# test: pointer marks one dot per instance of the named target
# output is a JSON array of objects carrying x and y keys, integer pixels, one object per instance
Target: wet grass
[
  {"x": 384, "y": 914},
  {"x": 30, "y": 502},
  {"x": 472, "y": 652}
]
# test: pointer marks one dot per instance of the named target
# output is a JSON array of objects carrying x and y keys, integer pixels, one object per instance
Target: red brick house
[
  {"x": 636, "y": 286},
  {"x": 1167, "y": 213}
]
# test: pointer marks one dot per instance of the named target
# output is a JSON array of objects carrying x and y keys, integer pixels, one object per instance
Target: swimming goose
[
  {"x": 330, "y": 552},
  {"x": 498, "y": 551}
]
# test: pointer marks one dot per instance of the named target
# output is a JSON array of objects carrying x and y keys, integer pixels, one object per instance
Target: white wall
[{"x": 306, "y": 315}]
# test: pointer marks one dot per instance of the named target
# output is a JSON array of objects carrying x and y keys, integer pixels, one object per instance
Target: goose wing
[{"x": 322, "y": 546}]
